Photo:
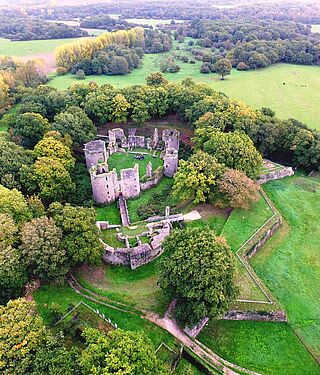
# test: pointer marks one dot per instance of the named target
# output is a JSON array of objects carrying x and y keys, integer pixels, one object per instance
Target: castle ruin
[{"x": 106, "y": 186}]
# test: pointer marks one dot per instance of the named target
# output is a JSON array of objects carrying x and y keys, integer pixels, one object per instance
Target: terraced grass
[
  {"x": 289, "y": 263},
  {"x": 64, "y": 295},
  {"x": 138, "y": 287},
  {"x": 268, "y": 348}
]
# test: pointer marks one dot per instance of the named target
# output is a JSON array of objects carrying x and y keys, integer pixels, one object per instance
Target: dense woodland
[
  {"x": 28, "y": 28},
  {"x": 251, "y": 44}
]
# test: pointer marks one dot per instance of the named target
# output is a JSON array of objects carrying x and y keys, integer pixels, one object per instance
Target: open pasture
[{"x": 290, "y": 90}]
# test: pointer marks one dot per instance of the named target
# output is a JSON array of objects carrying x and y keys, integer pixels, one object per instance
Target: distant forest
[
  {"x": 187, "y": 10},
  {"x": 30, "y": 28}
]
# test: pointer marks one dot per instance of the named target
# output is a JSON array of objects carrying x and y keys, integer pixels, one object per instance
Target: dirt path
[{"x": 169, "y": 325}]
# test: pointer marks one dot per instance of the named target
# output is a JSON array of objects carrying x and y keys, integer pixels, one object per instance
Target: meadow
[
  {"x": 290, "y": 90},
  {"x": 31, "y": 47}
]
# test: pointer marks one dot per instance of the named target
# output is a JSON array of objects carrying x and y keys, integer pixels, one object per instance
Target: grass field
[
  {"x": 109, "y": 213},
  {"x": 31, "y": 47},
  {"x": 138, "y": 287},
  {"x": 289, "y": 263},
  {"x": 269, "y": 348}
]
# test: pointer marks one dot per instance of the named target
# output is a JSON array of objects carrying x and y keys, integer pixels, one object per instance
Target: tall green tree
[
  {"x": 198, "y": 272},
  {"x": 120, "y": 352},
  {"x": 234, "y": 150},
  {"x": 80, "y": 234},
  {"x": 13, "y": 203},
  {"x": 222, "y": 67},
  {"x": 77, "y": 124},
  {"x": 197, "y": 177},
  {"x": 41, "y": 250},
  {"x": 31, "y": 127}
]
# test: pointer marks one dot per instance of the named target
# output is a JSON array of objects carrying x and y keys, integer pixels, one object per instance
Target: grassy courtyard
[{"x": 120, "y": 161}]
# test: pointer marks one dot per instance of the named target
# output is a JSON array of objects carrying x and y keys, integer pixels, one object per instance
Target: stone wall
[
  {"x": 142, "y": 253},
  {"x": 194, "y": 331},
  {"x": 153, "y": 181},
  {"x": 95, "y": 152},
  {"x": 270, "y": 232},
  {"x": 170, "y": 162},
  {"x": 275, "y": 175},
  {"x": 260, "y": 316}
]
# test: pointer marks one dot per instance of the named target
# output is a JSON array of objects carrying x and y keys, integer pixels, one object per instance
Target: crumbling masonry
[{"x": 106, "y": 186}]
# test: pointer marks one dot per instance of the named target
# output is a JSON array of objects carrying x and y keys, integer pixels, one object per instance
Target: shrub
[
  {"x": 61, "y": 71},
  {"x": 80, "y": 74}
]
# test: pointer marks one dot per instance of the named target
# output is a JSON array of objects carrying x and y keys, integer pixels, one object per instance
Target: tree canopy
[{"x": 198, "y": 272}]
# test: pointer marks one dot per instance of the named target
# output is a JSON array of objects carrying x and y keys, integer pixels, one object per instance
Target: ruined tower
[
  {"x": 170, "y": 138},
  {"x": 95, "y": 153},
  {"x": 105, "y": 185},
  {"x": 170, "y": 162},
  {"x": 130, "y": 182}
]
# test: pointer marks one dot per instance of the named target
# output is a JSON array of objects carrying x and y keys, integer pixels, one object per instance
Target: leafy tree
[
  {"x": 80, "y": 234},
  {"x": 12, "y": 156},
  {"x": 120, "y": 107},
  {"x": 198, "y": 272},
  {"x": 22, "y": 333},
  {"x": 30, "y": 127},
  {"x": 13, "y": 276},
  {"x": 156, "y": 79},
  {"x": 222, "y": 67},
  {"x": 13, "y": 203},
  {"x": 12, "y": 272},
  {"x": 120, "y": 352},
  {"x": 49, "y": 178},
  {"x": 234, "y": 150},
  {"x": 40, "y": 247},
  {"x": 238, "y": 190},
  {"x": 197, "y": 177},
  {"x": 119, "y": 65},
  {"x": 50, "y": 146},
  {"x": 98, "y": 104},
  {"x": 76, "y": 123}
]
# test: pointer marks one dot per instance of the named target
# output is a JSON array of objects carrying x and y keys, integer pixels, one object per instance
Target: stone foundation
[{"x": 275, "y": 175}]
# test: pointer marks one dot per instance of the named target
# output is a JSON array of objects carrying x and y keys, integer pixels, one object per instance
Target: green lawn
[
  {"x": 120, "y": 161},
  {"x": 31, "y": 47},
  {"x": 290, "y": 262},
  {"x": 269, "y": 348},
  {"x": 109, "y": 213},
  {"x": 248, "y": 220},
  {"x": 64, "y": 295}
]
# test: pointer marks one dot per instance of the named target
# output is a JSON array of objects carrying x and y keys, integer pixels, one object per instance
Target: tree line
[
  {"x": 31, "y": 28},
  {"x": 198, "y": 9},
  {"x": 14, "y": 76},
  {"x": 250, "y": 44},
  {"x": 126, "y": 42}
]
